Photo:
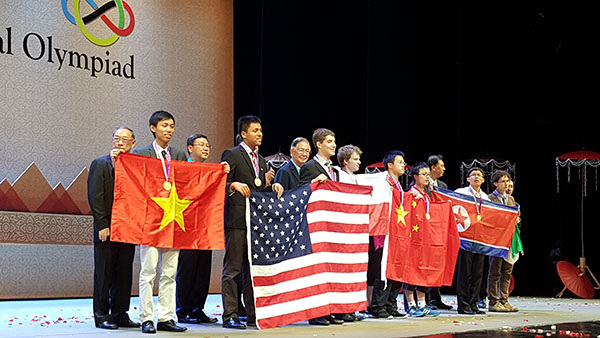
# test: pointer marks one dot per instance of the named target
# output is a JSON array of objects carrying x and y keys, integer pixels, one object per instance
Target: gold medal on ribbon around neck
[
  {"x": 257, "y": 182},
  {"x": 479, "y": 218},
  {"x": 428, "y": 216},
  {"x": 167, "y": 185}
]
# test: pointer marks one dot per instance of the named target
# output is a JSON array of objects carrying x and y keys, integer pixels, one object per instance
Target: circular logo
[
  {"x": 463, "y": 222},
  {"x": 99, "y": 12}
]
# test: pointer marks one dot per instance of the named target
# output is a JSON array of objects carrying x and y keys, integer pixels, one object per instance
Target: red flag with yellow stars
[
  {"x": 422, "y": 249},
  {"x": 186, "y": 213}
]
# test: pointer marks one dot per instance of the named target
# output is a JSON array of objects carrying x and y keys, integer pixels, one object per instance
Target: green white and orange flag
[{"x": 189, "y": 215}]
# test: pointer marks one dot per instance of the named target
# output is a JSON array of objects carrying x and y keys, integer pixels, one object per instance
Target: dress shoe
[
  {"x": 233, "y": 323},
  {"x": 170, "y": 325},
  {"x": 148, "y": 327},
  {"x": 206, "y": 319},
  {"x": 440, "y": 305},
  {"x": 498, "y": 307},
  {"x": 243, "y": 318},
  {"x": 318, "y": 321},
  {"x": 334, "y": 321},
  {"x": 187, "y": 319},
  {"x": 346, "y": 317},
  {"x": 397, "y": 314},
  {"x": 465, "y": 312},
  {"x": 383, "y": 314},
  {"x": 107, "y": 324},
  {"x": 128, "y": 323}
]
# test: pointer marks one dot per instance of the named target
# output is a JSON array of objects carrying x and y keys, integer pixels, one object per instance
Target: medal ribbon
[
  {"x": 399, "y": 188},
  {"x": 477, "y": 206},
  {"x": 166, "y": 170},
  {"x": 425, "y": 197},
  {"x": 255, "y": 163}
]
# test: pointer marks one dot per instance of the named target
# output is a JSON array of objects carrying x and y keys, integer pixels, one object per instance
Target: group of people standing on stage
[{"x": 184, "y": 275}]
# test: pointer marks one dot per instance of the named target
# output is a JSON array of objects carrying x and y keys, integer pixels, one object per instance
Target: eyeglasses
[
  {"x": 202, "y": 145},
  {"x": 307, "y": 151},
  {"x": 426, "y": 174},
  {"x": 122, "y": 139}
]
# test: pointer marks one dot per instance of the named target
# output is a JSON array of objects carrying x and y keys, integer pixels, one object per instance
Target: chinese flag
[
  {"x": 187, "y": 216},
  {"x": 422, "y": 251}
]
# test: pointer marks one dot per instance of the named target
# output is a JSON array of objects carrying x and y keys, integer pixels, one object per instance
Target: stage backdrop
[{"x": 70, "y": 72}]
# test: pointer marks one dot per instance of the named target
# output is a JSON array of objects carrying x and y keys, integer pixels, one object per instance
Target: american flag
[{"x": 309, "y": 251}]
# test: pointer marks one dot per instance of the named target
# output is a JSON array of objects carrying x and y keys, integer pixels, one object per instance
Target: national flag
[
  {"x": 491, "y": 233},
  {"x": 422, "y": 250},
  {"x": 187, "y": 216},
  {"x": 308, "y": 252},
  {"x": 382, "y": 197}
]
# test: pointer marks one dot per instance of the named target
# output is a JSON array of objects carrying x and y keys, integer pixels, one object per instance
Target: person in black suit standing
[
  {"x": 162, "y": 126},
  {"x": 112, "y": 260},
  {"x": 320, "y": 168},
  {"x": 194, "y": 266},
  {"x": 289, "y": 175},
  {"x": 437, "y": 169},
  {"x": 248, "y": 173}
]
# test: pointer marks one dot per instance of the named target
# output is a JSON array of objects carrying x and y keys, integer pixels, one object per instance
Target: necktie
[
  {"x": 330, "y": 169},
  {"x": 167, "y": 158},
  {"x": 255, "y": 163}
]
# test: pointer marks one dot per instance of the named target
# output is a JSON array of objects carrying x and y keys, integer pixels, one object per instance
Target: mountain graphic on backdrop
[{"x": 31, "y": 192}]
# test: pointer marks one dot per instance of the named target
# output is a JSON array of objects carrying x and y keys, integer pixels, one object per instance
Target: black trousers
[
  {"x": 193, "y": 281},
  {"x": 470, "y": 274},
  {"x": 112, "y": 280},
  {"x": 235, "y": 263},
  {"x": 383, "y": 297}
]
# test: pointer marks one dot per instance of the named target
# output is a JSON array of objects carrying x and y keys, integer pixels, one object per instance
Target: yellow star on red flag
[
  {"x": 173, "y": 207},
  {"x": 415, "y": 228},
  {"x": 401, "y": 213}
]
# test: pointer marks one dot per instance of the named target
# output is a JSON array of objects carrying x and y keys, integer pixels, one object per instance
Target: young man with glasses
[
  {"x": 470, "y": 264},
  {"x": 194, "y": 266}
]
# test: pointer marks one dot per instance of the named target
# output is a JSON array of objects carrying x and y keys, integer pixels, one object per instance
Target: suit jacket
[
  {"x": 241, "y": 171},
  {"x": 101, "y": 186},
  {"x": 510, "y": 202},
  {"x": 176, "y": 154},
  {"x": 312, "y": 168},
  {"x": 288, "y": 176}
]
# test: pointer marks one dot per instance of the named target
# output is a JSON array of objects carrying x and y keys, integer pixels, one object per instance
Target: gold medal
[
  {"x": 167, "y": 185},
  {"x": 479, "y": 218},
  {"x": 257, "y": 182},
  {"x": 427, "y": 216}
]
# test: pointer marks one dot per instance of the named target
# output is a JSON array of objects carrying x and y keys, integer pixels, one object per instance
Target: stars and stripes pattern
[{"x": 308, "y": 251}]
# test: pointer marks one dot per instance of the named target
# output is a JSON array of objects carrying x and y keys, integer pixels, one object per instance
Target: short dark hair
[
  {"x": 498, "y": 174},
  {"x": 414, "y": 170},
  {"x": 475, "y": 169},
  {"x": 320, "y": 134},
  {"x": 125, "y": 128},
  {"x": 158, "y": 116},
  {"x": 244, "y": 122},
  {"x": 390, "y": 156},
  {"x": 192, "y": 138},
  {"x": 345, "y": 153},
  {"x": 434, "y": 159}
]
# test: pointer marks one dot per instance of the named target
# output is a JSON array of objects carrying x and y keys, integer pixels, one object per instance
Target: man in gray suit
[{"x": 162, "y": 126}]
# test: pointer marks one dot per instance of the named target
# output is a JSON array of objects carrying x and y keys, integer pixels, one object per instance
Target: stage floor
[{"x": 73, "y": 317}]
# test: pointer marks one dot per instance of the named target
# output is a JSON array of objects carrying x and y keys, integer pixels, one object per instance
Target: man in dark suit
[
  {"x": 437, "y": 169},
  {"x": 112, "y": 260},
  {"x": 248, "y": 172},
  {"x": 194, "y": 266},
  {"x": 320, "y": 168},
  {"x": 162, "y": 126},
  {"x": 289, "y": 175}
]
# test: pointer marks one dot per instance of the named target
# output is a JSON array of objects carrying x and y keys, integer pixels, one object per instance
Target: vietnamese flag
[
  {"x": 187, "y": 216},
  {"x": 421, "y": 251}
]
